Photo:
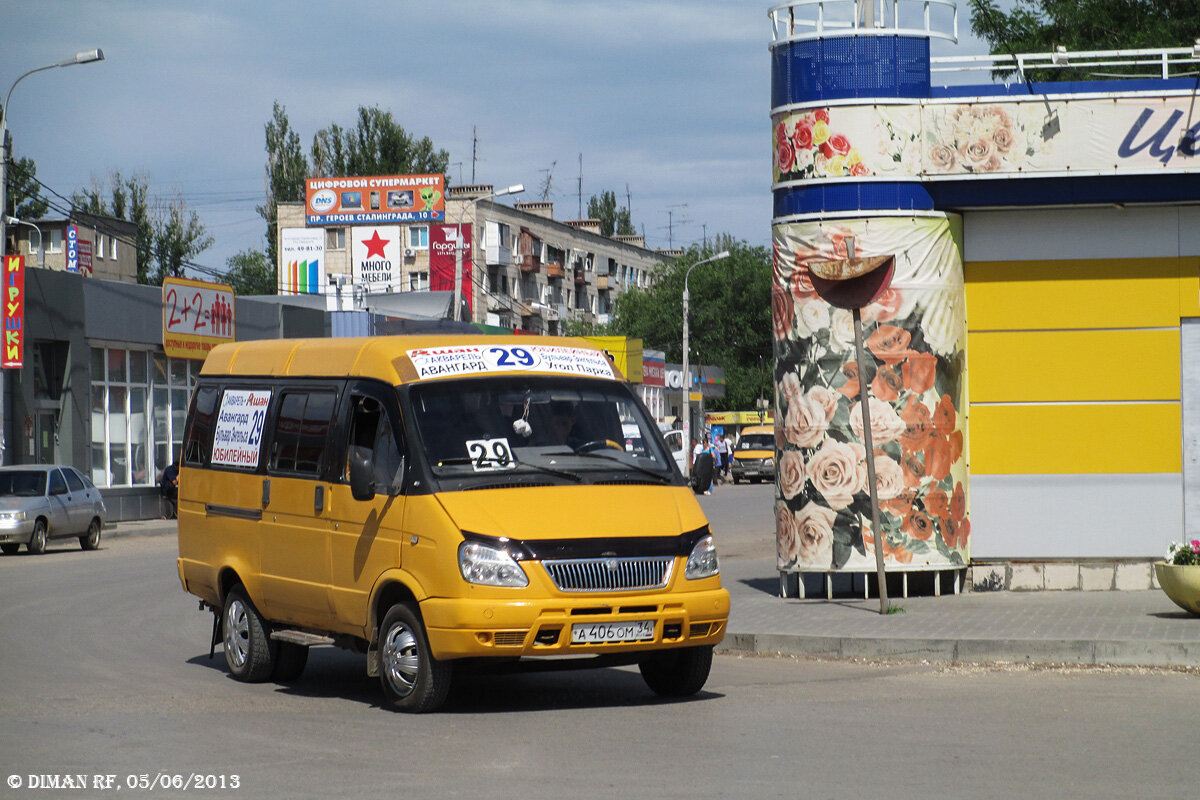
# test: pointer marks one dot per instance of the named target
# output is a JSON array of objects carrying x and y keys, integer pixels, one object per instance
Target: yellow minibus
[{"x": 434, "y": 501}]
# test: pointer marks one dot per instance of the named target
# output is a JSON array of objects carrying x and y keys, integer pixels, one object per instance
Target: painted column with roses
[{"x": 916, "y": 343}]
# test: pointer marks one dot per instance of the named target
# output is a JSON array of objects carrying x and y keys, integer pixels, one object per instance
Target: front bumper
[
  {"x": 16, "y": 532},
  {"x": 464, "y": 628}
]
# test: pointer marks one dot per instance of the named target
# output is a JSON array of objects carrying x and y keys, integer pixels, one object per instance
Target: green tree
[
  {"x": 22, "y": 198},
  {"x": 179, "y": 236},
  {"x": 730, "y": 310},
  {"x": 125, "y": 198},
  {"x": 377, "y": 145},
  {"x": 250, "y": 272},
  {"x": 286, "y": 170},
  {"x": 612, "y": 219},
  {"x": 1038, "y": 26},
  {"x": 583, "y": 327}
]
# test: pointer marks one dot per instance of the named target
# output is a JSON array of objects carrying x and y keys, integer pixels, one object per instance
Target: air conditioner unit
[{"x": 408, "y": 251}]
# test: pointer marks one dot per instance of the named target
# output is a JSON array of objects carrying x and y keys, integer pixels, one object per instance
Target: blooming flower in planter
[{"x": 1183, "y": 554}]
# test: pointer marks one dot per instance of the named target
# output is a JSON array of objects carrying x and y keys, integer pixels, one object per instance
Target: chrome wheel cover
[
  {"x": 236, "y": 633},
  {"x": 401, "y": 663}
]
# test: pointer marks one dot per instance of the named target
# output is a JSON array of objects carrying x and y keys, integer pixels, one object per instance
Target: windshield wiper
[
  {"x": 455, "y": 462},
  {"x": 644, "y": 470}
]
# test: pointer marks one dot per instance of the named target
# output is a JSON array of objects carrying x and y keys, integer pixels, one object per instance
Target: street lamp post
[
  {"x": 82, "y": 57},
  {"x": 687, "y": 377},
  {"x": 41, "y": 247},
  {"x": 458, "y": 242}
]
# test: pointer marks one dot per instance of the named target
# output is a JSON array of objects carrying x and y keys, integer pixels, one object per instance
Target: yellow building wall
[{"x": 1074, "y": 365}]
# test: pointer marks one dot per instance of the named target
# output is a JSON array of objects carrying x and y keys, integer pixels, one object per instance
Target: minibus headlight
[
  {"x": 489, "y": 566},
  {"x": 702, "y": 563}
]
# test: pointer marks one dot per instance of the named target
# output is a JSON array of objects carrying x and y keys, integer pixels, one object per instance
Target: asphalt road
[{"x": 105, "y": 670}]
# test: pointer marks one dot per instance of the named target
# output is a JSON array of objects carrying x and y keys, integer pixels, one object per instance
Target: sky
[{"x": 665, "y": 101}]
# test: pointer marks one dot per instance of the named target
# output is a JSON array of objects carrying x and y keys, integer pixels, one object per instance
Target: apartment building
[
  {"x": 524, "y": 270},
  {"x": 89, "y": 244}
]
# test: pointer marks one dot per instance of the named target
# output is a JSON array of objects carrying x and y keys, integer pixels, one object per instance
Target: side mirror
[{"x": 362, "y": 476}]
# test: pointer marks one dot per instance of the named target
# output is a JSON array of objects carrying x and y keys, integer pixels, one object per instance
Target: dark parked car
[{"x": 45, "y": 502}]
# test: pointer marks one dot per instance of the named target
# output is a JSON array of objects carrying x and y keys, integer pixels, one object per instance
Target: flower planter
[{"x": 1181, "y": 584}]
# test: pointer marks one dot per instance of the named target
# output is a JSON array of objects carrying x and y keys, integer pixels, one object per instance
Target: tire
[
  {"x": 289, "y": 662},
  {"x": 9, "y": 549},
  {"x": 677, "y": 673},
  {"x": 37, "y": 540},
  {"x": 249, "y": 651},
  {"x": 756, "y": 480},
  {"x": 413, "y": 680},
  {"x": 736, "y": 480},
  {"x": 91, "y": 539}
]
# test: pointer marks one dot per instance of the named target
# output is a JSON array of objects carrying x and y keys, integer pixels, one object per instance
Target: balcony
[
  {"x": 580, "y": 276},
  {"x": 602, "y": 283},
  {"x": 530, "y": 263},
  {"x": 554, "y": 270}
]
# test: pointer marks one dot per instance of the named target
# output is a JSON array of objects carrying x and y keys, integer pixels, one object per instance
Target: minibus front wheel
[
  {"x": 413, "y": 680},
  {"x": 678, "y": 672}
]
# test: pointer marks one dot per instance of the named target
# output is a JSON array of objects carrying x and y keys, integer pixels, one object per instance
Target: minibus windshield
[
  {"x": 553, "y": 429},
  {"x": 757, "y": 441}
]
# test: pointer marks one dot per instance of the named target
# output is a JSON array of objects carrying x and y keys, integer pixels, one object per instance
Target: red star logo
[{"x": 375, "y": 245}]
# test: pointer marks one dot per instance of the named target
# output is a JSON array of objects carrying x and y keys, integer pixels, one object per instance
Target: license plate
[{"x": 601, "y": 632}]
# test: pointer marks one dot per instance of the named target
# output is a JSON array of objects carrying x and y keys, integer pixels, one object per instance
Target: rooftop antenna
[
  {"x": 474, "y": 151},
  {"x": 458, "y": 164},
  {"x": 580, "y": 186},
  {"x": 671, "y": 223},
  {"x": 546, "y": 182}
]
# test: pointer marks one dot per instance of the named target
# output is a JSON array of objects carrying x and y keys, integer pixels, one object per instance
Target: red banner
[
  {"x": 14, "y": 312},
  {"x": 443, "y": 243}
]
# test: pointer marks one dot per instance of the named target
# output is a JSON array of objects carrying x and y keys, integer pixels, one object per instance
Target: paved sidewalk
[{"x": 1046, "y": 627}]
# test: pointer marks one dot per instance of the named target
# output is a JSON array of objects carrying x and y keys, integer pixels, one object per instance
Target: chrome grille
[{"x": 609, "y": 574}]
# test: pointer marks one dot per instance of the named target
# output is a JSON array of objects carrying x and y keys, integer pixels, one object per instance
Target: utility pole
[{"x": 581, "y": 186}]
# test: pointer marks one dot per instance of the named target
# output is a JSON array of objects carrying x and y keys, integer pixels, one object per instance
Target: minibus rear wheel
[
  {"x": 413, "y": 680},
  {"x": 249, "y": 651},
  {"x": 679, "y": 672}
]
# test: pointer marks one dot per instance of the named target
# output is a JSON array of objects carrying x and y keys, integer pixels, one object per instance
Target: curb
[{"x": 1124, "y": 653}]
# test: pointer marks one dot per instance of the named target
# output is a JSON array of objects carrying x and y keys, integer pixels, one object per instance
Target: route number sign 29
[{"x": 197, "y": 316}]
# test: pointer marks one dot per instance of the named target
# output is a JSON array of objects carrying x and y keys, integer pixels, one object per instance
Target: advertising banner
[
  {"x": 302, "y": 261},
  {"x": 197, "y": 316},
  {"x": 443, "y": 243},
  {"x": 14, "y": 312},
  {"x": 85, "y": 257},
  {"x": 72, "y": 248},
  {"x": 375, "y": 200},
  {"x": 375, "y": 258},
  {"x": 916, "y": 333},
  {"x": 939, "y": 139}
]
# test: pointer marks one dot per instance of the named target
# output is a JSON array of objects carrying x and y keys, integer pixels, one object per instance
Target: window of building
[
  {"x": 335, "y": 239},
  {"x": 139, "y": 402},
  {"x": 418, "y": 281},
  {"x": 112, "y": 247},
  {"x": 418, "y": 237},
  {"x": 54, "y": 240},
  {"x": 99, "y": 246}
]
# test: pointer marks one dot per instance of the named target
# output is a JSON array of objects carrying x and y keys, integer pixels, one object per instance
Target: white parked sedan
[{"x": 40, "y": 502}]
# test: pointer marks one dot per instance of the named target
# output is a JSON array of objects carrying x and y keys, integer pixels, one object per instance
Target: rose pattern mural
[
  {"x": 915, "y": 338},
  {"x": 808, "y": 146}
]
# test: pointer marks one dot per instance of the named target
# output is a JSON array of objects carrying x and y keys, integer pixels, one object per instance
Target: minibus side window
[
  {"x": 371, "y": 434},
  {"x": 199, "y": 433},
  {"x": 301, "y": 432}
]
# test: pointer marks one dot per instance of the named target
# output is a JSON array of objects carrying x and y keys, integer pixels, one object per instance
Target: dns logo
[{"x": 323, "y": 201}]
